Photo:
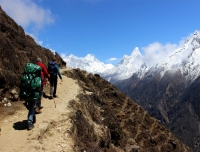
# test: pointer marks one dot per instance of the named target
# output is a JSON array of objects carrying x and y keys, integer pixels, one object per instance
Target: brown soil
[{"x": 52, "y": 128}]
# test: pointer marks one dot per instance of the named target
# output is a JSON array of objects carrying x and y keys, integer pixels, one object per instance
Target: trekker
[
  {"x": 54, "y": 72},
  {"x": 30, "y": 90},
  {"x": 44, "y": 74}
]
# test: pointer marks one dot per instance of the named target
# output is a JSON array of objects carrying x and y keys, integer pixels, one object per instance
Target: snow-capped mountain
[
  {"x": 89, "y": 63},
  {"x": 186, "y": 59},
  {"x": 126, "y": 67}
]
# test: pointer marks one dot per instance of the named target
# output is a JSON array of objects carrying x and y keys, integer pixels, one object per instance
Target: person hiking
[
  {"x": 54, "y": 72},
  {"x": 30, "y": 90},
  {"x": 44, "y": 74}
]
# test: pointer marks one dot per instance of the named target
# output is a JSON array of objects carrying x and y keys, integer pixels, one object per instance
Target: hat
[{"x": 39, "y": 59}]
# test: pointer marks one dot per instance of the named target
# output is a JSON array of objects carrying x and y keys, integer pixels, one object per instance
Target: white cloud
[
  {"x": 27, "y": 13},
  {"x": 113, "y": 59},
  {"x": 157, "y": 53}
]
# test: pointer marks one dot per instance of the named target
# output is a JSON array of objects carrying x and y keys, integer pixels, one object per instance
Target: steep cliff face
[
  {"x": 16, "y": 49},
  {"x": 108, "y": 120}
]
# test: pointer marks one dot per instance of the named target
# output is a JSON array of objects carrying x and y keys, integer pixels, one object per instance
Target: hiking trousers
[
  {"x": 38, "y": 102},
  {"x": 53, "y": 86},
  {"x": 31, "y": 111}
]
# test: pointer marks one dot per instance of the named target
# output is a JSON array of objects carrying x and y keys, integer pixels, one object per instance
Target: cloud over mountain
[{"x": 156, "y": 53}]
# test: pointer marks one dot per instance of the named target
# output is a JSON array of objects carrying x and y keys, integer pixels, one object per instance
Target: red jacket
[{"x": 44, "y": 73}]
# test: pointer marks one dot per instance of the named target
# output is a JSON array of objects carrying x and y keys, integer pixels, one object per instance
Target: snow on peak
[
  {"x": 89, "y": 63},
  {"x": 136, "y": 52},
  {"x": 135, "y": 55},
  {"x": 194, "y": 39},
  {"x": 186, "y": 59},
  {"x": 126, "y": 66},
  {"x": 90, "y": 57},
  {"x": 72, "y": 56}
]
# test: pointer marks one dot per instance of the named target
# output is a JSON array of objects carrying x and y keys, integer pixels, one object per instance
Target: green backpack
[{"x": 30, "y": 82}]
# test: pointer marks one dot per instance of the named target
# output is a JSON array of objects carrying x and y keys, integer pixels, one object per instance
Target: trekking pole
[{"x": 54, "y": 102}]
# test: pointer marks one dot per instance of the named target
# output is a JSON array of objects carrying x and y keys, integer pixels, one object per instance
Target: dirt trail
[{"x": 52, "y": 128}]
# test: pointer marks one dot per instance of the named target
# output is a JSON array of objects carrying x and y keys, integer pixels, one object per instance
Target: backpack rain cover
[{"x": 30, "y": 82}]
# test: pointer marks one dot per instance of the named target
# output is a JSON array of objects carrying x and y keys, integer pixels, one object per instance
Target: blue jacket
[{"x": 58, "y": 71}]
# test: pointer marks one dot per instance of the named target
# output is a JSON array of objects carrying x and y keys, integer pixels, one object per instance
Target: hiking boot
[
  {"x": 37, "y": 110},
  {"x": 55, "y": 96},
  {"x": 40, "y": 107},
  {"x": 50, "y": 97},
  {"x": 30, "y": 126}
]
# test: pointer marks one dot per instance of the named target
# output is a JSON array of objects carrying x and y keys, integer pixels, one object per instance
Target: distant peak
[
  {"x": 197, "y": 32},
  {"x": 72, "y": 56},
  {"x": 89, "y": 57},
  {"x": 136, "y": 49},
  {"x": 136, "y": 52},
  {"x": 193, "y": 39}
]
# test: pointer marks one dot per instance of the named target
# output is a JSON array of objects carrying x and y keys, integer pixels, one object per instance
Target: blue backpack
[{"x": 52, "y": 70}]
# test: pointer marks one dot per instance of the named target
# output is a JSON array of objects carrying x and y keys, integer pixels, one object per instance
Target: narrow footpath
[{"x": 52, "y": 129}]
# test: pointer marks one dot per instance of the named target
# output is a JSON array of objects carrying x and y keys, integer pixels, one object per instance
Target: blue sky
[{"x": 107, "y": 29}]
